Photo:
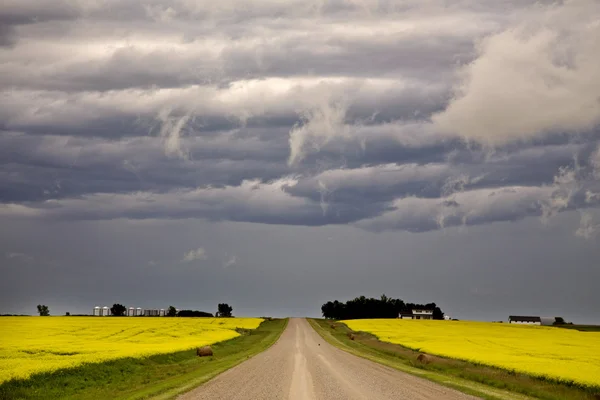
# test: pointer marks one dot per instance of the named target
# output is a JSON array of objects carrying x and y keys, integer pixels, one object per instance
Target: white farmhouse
[
  {"x": 416, "y": 314},
  {"x": 422, "y": 314}
]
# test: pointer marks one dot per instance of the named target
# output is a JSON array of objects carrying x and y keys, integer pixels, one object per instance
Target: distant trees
[
  {"x": 118, "y": 310},
  {"x": 190, "y": 313},
  {"x": 224, "y": 310},
  {"x": 67, "y": 314},
  {"x": 384, "y": 307},
  {"x": 559, "y": 321},
  {"x": 43, "y": 310},
  {"x": 437, "y": 312}
]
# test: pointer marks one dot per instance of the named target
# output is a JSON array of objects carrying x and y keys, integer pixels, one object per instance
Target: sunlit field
[
  {"x": 561, "y": 354},
  {"x": 38, "y": 344}
]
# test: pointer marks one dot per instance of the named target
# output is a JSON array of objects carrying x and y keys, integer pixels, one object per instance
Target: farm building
[
  {"x": 152, "y": 312},
  {"x": 416, "y": 314},
  {"x": 101, "y": 311},
  {"x": 515, "y": 319},
  {"x": 131, "y": 312}
]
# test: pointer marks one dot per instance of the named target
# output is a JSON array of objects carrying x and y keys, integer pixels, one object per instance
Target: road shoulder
[
  {"x": 266, "y": 335},
  {"x": 338, "y": 337}
]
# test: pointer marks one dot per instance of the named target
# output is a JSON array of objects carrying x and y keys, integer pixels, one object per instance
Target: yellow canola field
[
  {"x": 563, "y": 354},
  {"x": 37, "y": 344}
]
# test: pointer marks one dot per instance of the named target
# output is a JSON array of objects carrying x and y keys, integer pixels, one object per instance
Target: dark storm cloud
[
  {"x": 60, "y": 167},
  {"x": 147, "y": 101},
  {"x": 7, "y": 35},
  {"x": 16, "y": 12}
]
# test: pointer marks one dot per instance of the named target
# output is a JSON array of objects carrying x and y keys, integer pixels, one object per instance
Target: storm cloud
[{"x": 378, "y": 116}]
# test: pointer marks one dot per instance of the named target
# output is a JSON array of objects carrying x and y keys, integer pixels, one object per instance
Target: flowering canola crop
[
  {"x": 38, "y": 344},
  {"x": 561, "y": 354}
]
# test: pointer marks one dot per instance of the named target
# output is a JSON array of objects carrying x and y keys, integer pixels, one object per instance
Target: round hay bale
[
  {"x": 204, "y": 351},
  {"x": 424, "y": 359},
  {"x": 332, "y": 326},
  {"x": 351, "y": 335}
]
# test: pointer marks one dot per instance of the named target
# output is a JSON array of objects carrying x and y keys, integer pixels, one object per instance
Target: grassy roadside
[
  {"x": 161, "y": 376},
  {"x": 478, "y": 380}
]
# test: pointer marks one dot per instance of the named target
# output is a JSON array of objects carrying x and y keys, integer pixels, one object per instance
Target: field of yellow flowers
[
  {"x": 560, "y": 354},
  {"x": 38, "y": 344}
]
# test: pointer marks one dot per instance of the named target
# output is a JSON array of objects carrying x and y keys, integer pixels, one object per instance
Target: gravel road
[{"x": 302, "y": 366}]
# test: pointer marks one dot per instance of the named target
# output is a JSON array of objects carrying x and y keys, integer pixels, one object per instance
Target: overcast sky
[{"x": 275, "y": 155}]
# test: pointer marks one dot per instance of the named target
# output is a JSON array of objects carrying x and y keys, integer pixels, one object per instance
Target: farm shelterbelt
[
  {"x": 559, "y": 354},
  {"x": 40, "y": 344}
]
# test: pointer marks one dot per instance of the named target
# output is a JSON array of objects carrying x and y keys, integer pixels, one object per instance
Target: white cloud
[
  {"x": 537, "y": 77},
  {"x": 319, "y": 125},
  {"x": 194, "y": 255},
  {"x": 232, "y": 260},
  {"x": 588, "y": 228},
  {"x": 170, "y": 132},
  {"x": 566, "y": 184},
  {"x": 19, "y": 256}
]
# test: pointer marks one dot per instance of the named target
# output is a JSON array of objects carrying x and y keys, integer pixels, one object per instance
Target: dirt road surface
[{"x": 302, "y": 366}]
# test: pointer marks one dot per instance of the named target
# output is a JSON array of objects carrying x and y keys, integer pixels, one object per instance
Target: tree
[
  {"x": 43, "y": 310},
  {"x": 171, "y": 312},
  {"x": 193, "y": 313},
  {"x": 224, "y": 310},
  {"x": 67, "y": 314},
  {"x": 118, "y": 310},
  {"x": 559, "y": 321},
  {"x": 384, "y": 307}
]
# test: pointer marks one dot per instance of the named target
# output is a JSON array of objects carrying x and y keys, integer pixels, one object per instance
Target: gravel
[{"x": 302, "y": 366}]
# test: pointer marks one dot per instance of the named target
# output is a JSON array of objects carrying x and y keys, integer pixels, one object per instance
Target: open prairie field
[
  {"x": 39, "y": 344},
  {"x": 559, "y": 354}
]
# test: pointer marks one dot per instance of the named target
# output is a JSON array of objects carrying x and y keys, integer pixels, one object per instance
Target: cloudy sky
[{"x": 279, "y": 154}]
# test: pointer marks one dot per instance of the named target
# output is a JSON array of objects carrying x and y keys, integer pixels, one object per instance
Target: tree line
[
  {"x": 119, "y": 310},
  {"x": 384, "y": 307}
]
